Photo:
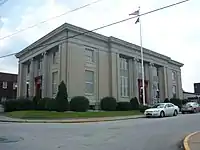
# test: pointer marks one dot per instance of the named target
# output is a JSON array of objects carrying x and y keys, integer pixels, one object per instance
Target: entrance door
[
  {"x": 145, "y": 88},
  {"x": 38, "y": 86}
]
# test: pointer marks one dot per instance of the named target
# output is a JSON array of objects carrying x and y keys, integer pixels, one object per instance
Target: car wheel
[
  {"x": 175, "y": 113},
  {"x": 162, "y": 114},
  {"x": 183, "y": 112},
  {"x": 194, "y": 111}
]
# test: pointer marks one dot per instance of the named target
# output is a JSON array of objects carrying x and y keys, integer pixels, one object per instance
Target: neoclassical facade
[{"x": 95, "y": 66}]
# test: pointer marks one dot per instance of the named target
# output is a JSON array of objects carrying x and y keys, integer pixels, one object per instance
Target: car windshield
[
  {"x": 189, "y": 104},
  {"x": 158, "y": 106}
]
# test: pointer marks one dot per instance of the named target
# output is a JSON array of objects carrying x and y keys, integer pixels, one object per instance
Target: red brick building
[{"x": 8, "y": 86}]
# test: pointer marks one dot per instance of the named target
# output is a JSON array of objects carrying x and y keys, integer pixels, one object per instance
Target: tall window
[
  {"x": 124, "y": 77},
  {"x": 174, "y": 90},
  {"x": 39, "y": 64},
  {"x": 14, "y": 85},
  {"x": 5, "y": 85},
  {"x": 173, "y": 76},
  {"x": 89, "y": 54},
  {"x": 55, "y": 57},
  {"x": 89, "y": 82},
  {"x": 54, "y": 82},
  {"x": 28, "y": 68}
]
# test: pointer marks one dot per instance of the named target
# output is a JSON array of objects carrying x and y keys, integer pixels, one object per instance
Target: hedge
[
  {"x": 134, "y": 103},
  {"x": 79, "y": 104},
  {"x": 18, "y": 104},
  {"x": 123, "y": 106},
  {"x": 108, "y": 104}
]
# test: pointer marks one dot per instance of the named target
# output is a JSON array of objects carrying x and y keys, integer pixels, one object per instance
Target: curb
[
  {"x": 186, "y": 140},
  {"x": 67, "y": 121}
]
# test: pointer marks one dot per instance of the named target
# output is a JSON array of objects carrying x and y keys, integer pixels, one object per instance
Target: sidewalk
[
  {"x": 192, "y": 141},
  {"x": 84, "y": 120}
]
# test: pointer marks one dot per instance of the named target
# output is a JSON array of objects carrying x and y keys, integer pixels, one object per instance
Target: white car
[{"x": 162, "y": 110}]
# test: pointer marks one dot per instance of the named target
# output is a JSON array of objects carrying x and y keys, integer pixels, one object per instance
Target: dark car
[{"x": 190, "y": 107}]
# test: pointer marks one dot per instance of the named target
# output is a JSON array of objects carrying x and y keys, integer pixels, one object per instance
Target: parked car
[
  {"x": 162, "y": 110},
  {"x": 191, "y": 107}
]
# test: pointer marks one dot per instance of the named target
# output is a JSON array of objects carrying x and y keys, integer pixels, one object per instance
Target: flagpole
[
  {"x": 142, "y": 61},
  {"x": 137, "y": 13}
]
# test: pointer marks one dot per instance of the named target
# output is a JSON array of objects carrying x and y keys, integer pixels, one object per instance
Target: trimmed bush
[
  {"x": 79, "y": 104},
  {"x": 142, "y": 108},
  {"x": 166, "y": 100},
  {"x": 50, "y": 104},
  {"x": 108, "y": 104},
  {"x": 41, "y": 104},
  {"x": 62, "y": 98},
  {"x": 176, "y": 102},
  {"x": 35, "y": 101},
  {"x": 134, "y": 103},
  {"x": 123, "y": 106},
  {"x": 18, "y": 104}
]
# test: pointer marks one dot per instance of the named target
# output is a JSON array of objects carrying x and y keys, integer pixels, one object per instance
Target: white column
[
  {"x": 161, "y": 83},
  {"x": 44, "y": 74},
  {"x": 135, "y": 78},
  {"x": 130, "y": 77},
  {"x": 31, "y": 78},
  {"x": 165, "y": 82},
  {"x": 20, "y": 80},
  {"x": 151, "y": 82}
]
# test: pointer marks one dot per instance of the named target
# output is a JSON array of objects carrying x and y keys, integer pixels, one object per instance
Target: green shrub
[
  {"x": 50, "y": 104},
  {"x": 35, "y": 101},
  {"x": 108, "y": 104},
  {"x": 62, "y": 98},
  {"x": 134, "y": 103},
  {"x": 176, "y": 102},
  {"x": 18, "y": 104},
  {"x": 123, "y": 106},
  {"x": 142, "y": 108},
  {"x": 41, "y": 104},
  {"x": 79, "y": 104}
]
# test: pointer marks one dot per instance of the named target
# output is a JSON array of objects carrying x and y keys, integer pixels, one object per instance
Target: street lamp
[{"x": 137, "y": 13}]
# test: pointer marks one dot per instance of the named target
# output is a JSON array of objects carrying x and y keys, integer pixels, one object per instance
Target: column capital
[
  {"x": 151, "y": 64},
  {"x": 44, "y": 53},
  {"x": 135, "y": 59}
]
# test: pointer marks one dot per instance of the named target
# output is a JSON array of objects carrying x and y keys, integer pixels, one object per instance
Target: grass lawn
[{"x": 64, "y": 115}]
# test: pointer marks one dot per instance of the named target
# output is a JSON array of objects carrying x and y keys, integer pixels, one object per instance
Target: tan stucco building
[{"x": 95, "y": 66}]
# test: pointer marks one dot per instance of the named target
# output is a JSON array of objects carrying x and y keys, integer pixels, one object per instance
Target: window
[
  {"x": 14, "y": 85},
  {"x": 174, "y": 90},
  {"x": 89, "y": 54},
  {"x": 173, "y": 76},
  {"x": 89, "y": 82},
  {"x": 28, "y": 68},
  {"x": 39, "y": 64},
  {"x": 54, "y": 82},
  {"x": 124, "y": 87},
  {"x": 55, "y": 57},
  {"x": 5, "y": 85}
]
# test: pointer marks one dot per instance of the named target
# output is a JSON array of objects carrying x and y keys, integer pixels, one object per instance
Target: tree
[
  {"x": 166, "y": 100},
  {"x": 62, "y": 98}
]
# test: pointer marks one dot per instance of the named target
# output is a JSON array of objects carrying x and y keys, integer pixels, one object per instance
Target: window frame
[
  {"x": 91, "y": 58},
  {"x": 5, "y": 85},
  {"x": 89, "y": 82},
  {"x": 54, "y": 82},
  {"x": 55, "y": 57},
  {"x": 124, "y": 77}
]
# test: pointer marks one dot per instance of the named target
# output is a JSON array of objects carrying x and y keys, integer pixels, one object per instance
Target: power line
[
  {"x": 105, "y": 26},
  {"x": 44, "y": 21}
]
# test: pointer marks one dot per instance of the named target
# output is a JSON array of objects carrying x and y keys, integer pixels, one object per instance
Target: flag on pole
[
  {"x": 138, "y": 20},
  {"x": 137, "y": 12}
]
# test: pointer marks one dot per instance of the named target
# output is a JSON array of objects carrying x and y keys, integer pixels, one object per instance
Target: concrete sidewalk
[
  {"x": 84, "y": 120},
  {"x": 192, "y": 141}
]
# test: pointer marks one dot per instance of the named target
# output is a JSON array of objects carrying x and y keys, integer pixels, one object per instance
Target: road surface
[{"x": 136, "y": 134}]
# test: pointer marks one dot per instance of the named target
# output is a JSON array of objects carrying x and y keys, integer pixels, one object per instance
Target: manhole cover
[{"x": 10, "y": 139}]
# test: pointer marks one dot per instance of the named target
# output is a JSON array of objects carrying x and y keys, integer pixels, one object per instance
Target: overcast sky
[{"x": 174, "y": 32}]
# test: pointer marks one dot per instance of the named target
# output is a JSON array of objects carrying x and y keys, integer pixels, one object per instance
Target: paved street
[{"x": 136, "y": 134}]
